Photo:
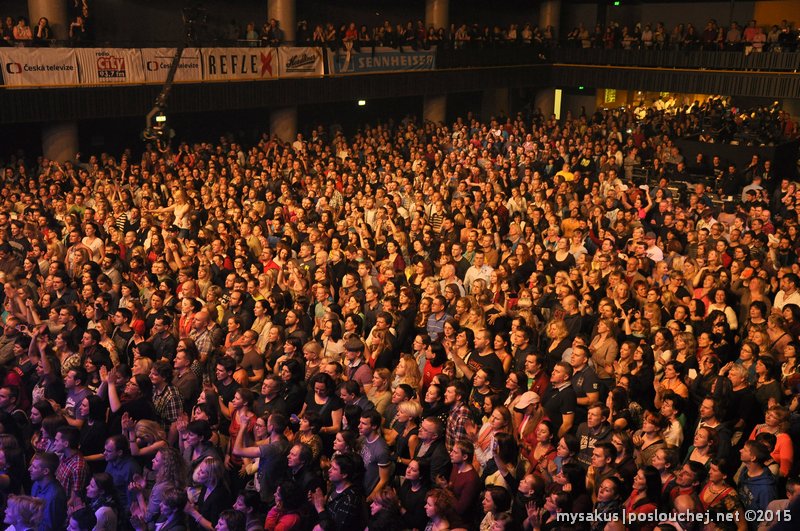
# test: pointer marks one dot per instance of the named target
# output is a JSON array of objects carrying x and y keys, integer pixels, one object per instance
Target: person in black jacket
[
  {"x": 431, "y": 450},
  {"x": 384, "y": 511},
  {"x": 173, "y": 517},
  {"x": 344, "y": 509}
]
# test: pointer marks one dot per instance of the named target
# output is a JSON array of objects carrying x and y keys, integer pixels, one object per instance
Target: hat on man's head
[
  {"x": 354, "y": 345},
  {"x": 527, "y": 398}
]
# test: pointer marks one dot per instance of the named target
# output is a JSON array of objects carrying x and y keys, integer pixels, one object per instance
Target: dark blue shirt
[
  {"x": 55, "y": 503},
  {"x": 122, "y": 471}
]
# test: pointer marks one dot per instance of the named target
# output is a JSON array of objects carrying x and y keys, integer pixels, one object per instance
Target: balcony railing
[{"x": 688, "y": 59}]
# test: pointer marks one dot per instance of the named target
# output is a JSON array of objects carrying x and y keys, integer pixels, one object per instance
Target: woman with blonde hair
[
  {"x": 145, "y": 437},
  {"x": 604, "y": 349},
  {"x": 405, "y": 441},
  {"x": 141, "y": 366},
  {"x": 776, "y": 422},
  {"x": 685, "y": 347},
  {"x": 181, "y": 209},
  {"x": 476, "y": 317},
  {"x": 378, "y": 348},
  {"x": 652, "y": 312},
  {"x": 262, "y": 323},
  {"x": 204, "y": 279},
  {"x": 380, "y": 393},
  {"x": 213, "y": 496},
  {"x": 24, "y": 513},
  {"x": 561, "y": 278},
  {"x": 80, "y": 257},
  {"x": 559, "y": 340},
  {"x": 267, "y": 282},
  {"x": 478, "y": 287},
  {"x": 462, "y": 306},
  {"x": 168, "y": 466},
  {"x": 430, "y": 287},
  {"x": 407, "y": 372}
]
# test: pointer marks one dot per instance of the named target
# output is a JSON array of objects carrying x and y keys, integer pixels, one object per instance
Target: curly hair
[
  {"x": 172, "y": 467},
  {"x": 443, "y": 502}
]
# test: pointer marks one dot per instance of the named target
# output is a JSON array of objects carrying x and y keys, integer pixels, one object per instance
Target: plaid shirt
[
  {"x": 203, "y": 340},
  {"x": 168, "y": 405},
  {"x": 73, "y": 474},
  {"x": 456, "y": 425}
]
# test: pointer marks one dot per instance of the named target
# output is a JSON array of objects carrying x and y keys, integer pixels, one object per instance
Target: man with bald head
[
  {"x": 572, "y": 315},
  {"x": 206, "y": 334},
  {"x": 448, "y": 276},
  {"x": 188, "y": 290}
]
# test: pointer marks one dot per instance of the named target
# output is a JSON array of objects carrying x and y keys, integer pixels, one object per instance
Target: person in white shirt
[
  {"x": 479, "y": 269},
  {"x": 788, "y": 293}
]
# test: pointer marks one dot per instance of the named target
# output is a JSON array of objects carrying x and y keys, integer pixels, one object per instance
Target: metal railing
[
  {"x": 520, "y": 54},
  {"x": 689, "y": 59}
]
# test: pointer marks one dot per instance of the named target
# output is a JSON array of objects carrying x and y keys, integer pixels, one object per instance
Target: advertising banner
[
  {"x": 110, "y": 66},
  {"x": 368, "y": 61},
  {"x": 158, "y": 60},
  {"x": 300, "y": 62},
  {"x": 239, "y": 64},
  {"x": 39, "y": 67}
]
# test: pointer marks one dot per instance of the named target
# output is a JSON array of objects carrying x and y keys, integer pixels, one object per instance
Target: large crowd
[
  {"x": 410, "y": 34},
  {"x": 484, "y": 325}
]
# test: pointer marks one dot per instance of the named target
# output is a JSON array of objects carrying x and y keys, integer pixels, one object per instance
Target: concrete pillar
[
  {"x": 55, "y": 11},
  {"x": 545, "y": 101},
  {"x": 283, "y": 11},
  {"x": 550, "y": 15},
  {"x": 437, "y": 13},
  {"x": 494, "y": 103},
  {"x": 60, "y": 141},
  {"x": 283, "y": 123},
  {"x": 434, "y": 109}
]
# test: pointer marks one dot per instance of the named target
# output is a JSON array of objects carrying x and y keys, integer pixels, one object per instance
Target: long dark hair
[
  {"x": 576, "y": 477},
  {"x": 652, "y": 478},
  {"x": 108, "y": 494},
  {"x": 439, "y": 355}
]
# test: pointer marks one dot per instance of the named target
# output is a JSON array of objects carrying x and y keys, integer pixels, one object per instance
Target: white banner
[
  {"x": 39, "y": 67},
  {"x": 300, "y": 62},
  {"x": 238, "y": 64},
  {"x": 158, "y": 60},
  {"x": 110, "y": 66}
]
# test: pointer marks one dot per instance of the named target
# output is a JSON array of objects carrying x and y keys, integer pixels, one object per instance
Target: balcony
[{"x": 678, "y": 59}]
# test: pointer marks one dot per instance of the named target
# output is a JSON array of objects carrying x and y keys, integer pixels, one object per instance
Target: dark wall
[
  {"x": 670, "y": 13},
  {"x": 160, "y": 20},
  {"x": 15, "y": 8}
]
